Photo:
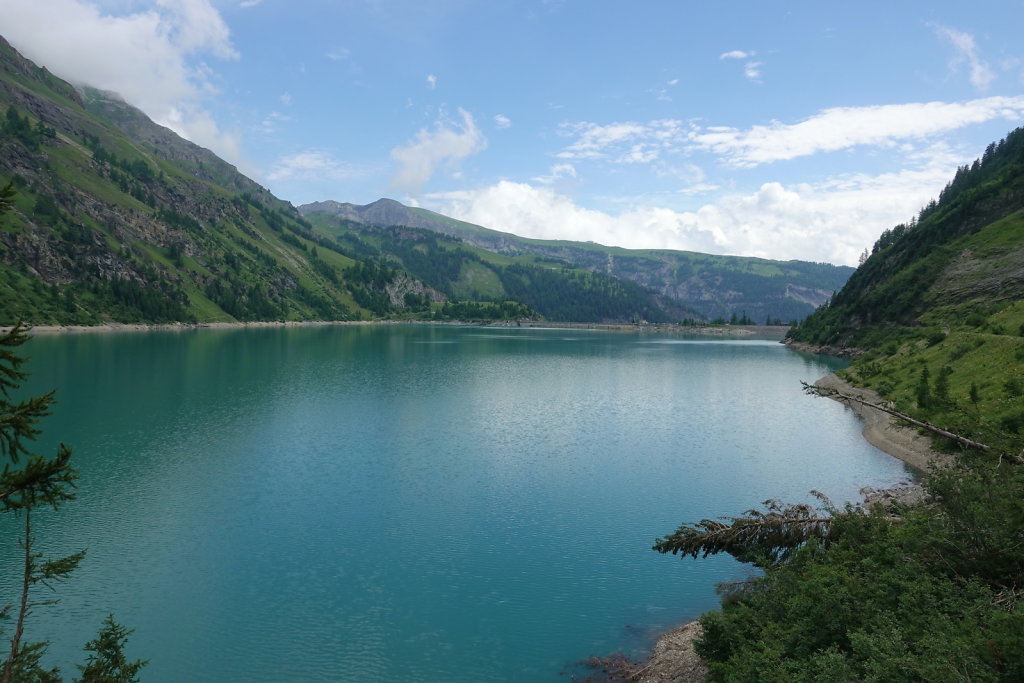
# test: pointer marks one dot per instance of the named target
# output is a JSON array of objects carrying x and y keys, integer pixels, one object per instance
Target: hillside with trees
[
  {"x": 547, "y": 287},
  {"x": 679, "y": 284},
  {"x": 896, "y": 591},
  {"x": 115, "y": 218}
]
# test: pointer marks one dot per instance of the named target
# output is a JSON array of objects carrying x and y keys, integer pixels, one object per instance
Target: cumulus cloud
[
  {"x": 752, "y": 69},
  {"x": 980, "y": 75},
  {"x": 152, "y": 58},
  {"x": 447, "y": 143},
  {"x": 502, "y": 121},
  {"x": 832, "y": 221},
  {"x": 339, "y": 54},
  {"x": 431, "y": 81}
]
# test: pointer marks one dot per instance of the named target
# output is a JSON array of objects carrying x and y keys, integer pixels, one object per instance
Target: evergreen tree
[
  {"x": 107, "y": 663},
  {"x": 30, "y": 481}
]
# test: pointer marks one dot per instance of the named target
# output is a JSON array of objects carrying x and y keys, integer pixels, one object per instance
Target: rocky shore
[{"x": 673, "y": 659}]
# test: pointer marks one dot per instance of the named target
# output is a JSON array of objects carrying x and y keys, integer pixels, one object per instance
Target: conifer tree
[{"x": 29, "y": 481}]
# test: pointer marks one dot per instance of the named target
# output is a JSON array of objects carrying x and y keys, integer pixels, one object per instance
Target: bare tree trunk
[
  {"x": 962, "y": 440},
  {"x": 26, "y": 582}
]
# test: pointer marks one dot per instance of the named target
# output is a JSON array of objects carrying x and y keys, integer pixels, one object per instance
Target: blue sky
[{"x": 774, "y": 129}]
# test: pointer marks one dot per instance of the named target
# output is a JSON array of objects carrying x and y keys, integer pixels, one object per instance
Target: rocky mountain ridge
[{"x": 712, "y": 286}]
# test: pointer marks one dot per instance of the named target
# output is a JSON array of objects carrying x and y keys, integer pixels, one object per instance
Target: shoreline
[
  {"x": 673, "y": 658},
  {"x": 773, "y": 332},
  {"x": 902, "y": 443},
  {"x": 182, "y": 327}
]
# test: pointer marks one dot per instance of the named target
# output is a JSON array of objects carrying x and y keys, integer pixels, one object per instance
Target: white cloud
[
  {"x": 431, "y": 81},
  {"x": 312, "y": 165},
  {"x": 752, "y": 70},
  {"x": 339, "y": 54},
  {"x": 699, "y": 188},
  {"x": 596, "y": 141},
  {"x": 845, "y": 127},
  {"x": 736, "y": 54},
  {"x": 832, "y": 221},
  {"x": 152, "y": 58},
  {"x": 447, "y": 143},
  {"x": 249, "y": 3},
  {"x": 981, "y": 76},
  {"x": 556, "y": 173},
  {"x": 502, "y": 121},
  {"x": 268, "y": 125},
  {"x": 829, "y": 130}
]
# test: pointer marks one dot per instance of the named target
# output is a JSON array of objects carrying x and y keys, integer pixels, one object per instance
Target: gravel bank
[{"x": 900, "y": 442}]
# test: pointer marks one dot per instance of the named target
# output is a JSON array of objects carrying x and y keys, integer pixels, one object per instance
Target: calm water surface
[{"x": 408, "y": 503}]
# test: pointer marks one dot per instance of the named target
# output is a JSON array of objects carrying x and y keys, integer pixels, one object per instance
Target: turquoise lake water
[{"x": 412, "y": 503}]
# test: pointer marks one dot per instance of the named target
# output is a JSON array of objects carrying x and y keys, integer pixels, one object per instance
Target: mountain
[
  {"x": 960, "y": 264},
  {"x": 463, "y": 272},
  {"x": 115, "y": 218},
  {"x": 708, "y": 286},
  {"x": 935, "y": 315}
]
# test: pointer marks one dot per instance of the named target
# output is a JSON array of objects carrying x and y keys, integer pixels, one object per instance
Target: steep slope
[
  {"x": 117, "y": 218},
  {"x": 935, "y": 315},
  {"x": 713, "y": 286},
  {"x": 961, "y": 258}
]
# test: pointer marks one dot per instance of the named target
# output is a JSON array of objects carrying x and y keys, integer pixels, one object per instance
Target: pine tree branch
[{"x": 757, "y": 535}]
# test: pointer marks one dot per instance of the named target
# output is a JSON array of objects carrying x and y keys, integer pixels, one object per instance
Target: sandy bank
[{"x": 880, "y": 431}]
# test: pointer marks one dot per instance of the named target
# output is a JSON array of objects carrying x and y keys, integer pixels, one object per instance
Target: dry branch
[{"x": 945, "y": 433}]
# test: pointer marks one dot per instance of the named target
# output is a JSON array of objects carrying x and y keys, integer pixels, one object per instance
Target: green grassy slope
[
  {"x": 936, "y": 313},
  {"x": 116, "y": 218}
]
